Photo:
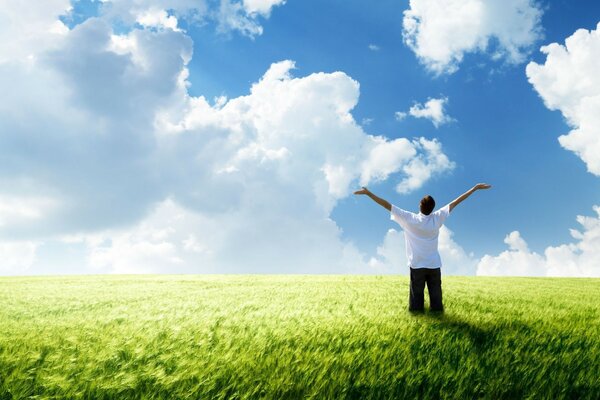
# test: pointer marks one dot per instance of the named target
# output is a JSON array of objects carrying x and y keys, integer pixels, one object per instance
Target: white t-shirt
[{"x": 421, "y": 234}]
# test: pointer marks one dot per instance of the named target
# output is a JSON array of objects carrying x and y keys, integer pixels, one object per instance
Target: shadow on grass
[{"x": 481, "y": 335}]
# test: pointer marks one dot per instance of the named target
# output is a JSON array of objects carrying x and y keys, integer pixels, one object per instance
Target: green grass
[{"x": 224, "y": 337}]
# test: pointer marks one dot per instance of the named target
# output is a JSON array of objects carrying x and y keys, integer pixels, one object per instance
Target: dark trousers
[{"x": 418, "y": 278}]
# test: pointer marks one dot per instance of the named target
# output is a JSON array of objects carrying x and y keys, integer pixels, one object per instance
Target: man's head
[{"x": 427, "y": 205}]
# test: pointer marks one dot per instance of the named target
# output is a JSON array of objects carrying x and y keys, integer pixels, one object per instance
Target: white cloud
[
  {"x": 165, "y": 241},
  {"x": 581, "y": 258},
  {"x": 244, "y": 16},
  {"x": 432, "y": 110},
  {"x": 366, "y": 121},
  {"x": 374, "y": 47},
  {"x": 517, "y": 261},
  {"x": 385, "y": 158},
  {"x": 455, "y": 260},
  {"x": 17, "y": 256},
  {"x": 157, "y": 18},
  {"x": 28, "y": 205},
  {"x": 232, "y": 17},
  {"x": 421, "y": 168},
  {"x": 418, "y": 160},
  {"x": 262, "y": 7},
  {"x": 103, "y": 125},
  {"x": 155, "y": 13},
  {"x": 400, "y": 115},
  {"x": 18, "y": 210},
  {"x": 174, "y": 239},
  {"x": 569, "y": 81},
  {"x": 293, "y": 121},
  {"x": 79, "y": 125},
  {"x": 391, "y": 254},
  {"x": 25, "y": 31},
  {"x": 339, "y": 179},
  {"x": 291, "y": 146},
  {"x": 441, "y": 32}
]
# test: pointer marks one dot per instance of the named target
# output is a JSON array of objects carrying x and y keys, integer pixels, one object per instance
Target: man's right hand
[
  {"x": 376, "y": 199},
  {"x": 482, "y": 186},
  {"x": 364, "y": 190}
]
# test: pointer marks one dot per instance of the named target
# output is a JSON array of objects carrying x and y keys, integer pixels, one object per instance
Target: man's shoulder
[
  {"x": 443, "y": 210},
  {"x": 403, "y": 217},
  {"x": 401, "y": 211}
]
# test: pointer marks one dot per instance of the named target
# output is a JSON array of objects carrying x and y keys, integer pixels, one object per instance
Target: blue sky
[{"x": 123, "y": 130}]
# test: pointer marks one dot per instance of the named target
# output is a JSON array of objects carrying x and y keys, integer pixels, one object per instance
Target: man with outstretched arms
[{"x": 421, "y": 232}]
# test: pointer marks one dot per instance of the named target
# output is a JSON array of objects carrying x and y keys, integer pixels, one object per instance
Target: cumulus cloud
[
  {"x": 25, "y": 31},
  {"x": 456, "y": 260},
  {"x": 418, "y": 160},
  {"x": 167, "y": 240},
  {"x": 232, "y": 17},
  {"x": 290, "y": 146},
  {"x": 441, "y": 32},
  {"x": 17, "y": 256},
  {"x": 244, "y": 16},
  {"x": 108, "y": 150},
  {"x": 78, "y": 130},
  {"x": 518, "y": 260},
  {"x": 157, "y": 18},
  {"x": 281, "y": 135},
  {"x": 569, "y": 81},
  {"x": 422, "y": 167},
  {"x": 174, "y": 239},
  {"x": 432, "y": 110},
  {"x": 581, "y": 258},
  {"x": 391, "y": 254},
  {"x": 22, "y": 209}
]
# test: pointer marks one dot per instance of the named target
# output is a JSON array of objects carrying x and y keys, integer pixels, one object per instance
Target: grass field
[{"x": 289, "y": 337}]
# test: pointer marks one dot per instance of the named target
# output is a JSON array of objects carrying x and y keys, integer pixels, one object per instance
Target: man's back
[{"x": 421, "y": 233}]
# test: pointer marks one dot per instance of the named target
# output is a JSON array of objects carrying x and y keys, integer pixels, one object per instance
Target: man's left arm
[{"x": 469, "y": 192}]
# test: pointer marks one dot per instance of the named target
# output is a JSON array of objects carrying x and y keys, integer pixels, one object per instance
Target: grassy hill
[{"x": 289, "y": 337}]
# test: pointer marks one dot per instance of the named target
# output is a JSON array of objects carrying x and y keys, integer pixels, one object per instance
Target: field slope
[{"x": 245, "y": 336}]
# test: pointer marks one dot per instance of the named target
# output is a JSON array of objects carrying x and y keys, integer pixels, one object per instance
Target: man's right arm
[
  {"x": 469, "y": 192},
  {"x": 383, "y": 203}
]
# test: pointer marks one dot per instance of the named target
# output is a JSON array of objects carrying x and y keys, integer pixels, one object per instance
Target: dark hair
[{"x": 427, "y": 205}]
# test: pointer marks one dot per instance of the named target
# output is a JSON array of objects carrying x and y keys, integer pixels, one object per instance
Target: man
[{"x": 421, "y": 232}]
